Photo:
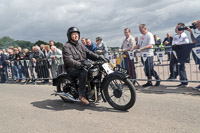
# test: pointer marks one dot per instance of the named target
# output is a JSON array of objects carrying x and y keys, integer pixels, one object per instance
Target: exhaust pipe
[{"x": 65, "y": 95}]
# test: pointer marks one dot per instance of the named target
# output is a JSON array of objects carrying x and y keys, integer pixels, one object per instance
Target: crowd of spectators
[{"x": 28, "y": 66}]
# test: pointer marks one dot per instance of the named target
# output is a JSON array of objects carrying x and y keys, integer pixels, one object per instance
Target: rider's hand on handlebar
[
  {"x": 86, "y": 64},
  {"x": 101, "y": 57}
]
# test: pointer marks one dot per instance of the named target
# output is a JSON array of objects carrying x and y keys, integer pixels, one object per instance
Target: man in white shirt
[
  {"x": 176, "y": 68},
  {"x": 145, "y": 44},
  {"x": 127, "y": 45}
]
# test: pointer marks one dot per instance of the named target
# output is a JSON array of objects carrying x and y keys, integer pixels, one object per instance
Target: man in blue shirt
[{"x": 90, "y": 45}]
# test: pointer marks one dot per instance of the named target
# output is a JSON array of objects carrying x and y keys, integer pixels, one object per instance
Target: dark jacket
[
  {"x": 74, "y": 54},
  {"x": 183, "y": 52},
  {"x": 16, "y": 60},
  {"x": 169, "y": 40},
  {"x": 158, "y": 42},
  {"x": 92, "y": 47},
  {"x": 11, "y": 57},
  {"x": 2, "y": 59},
  {"x": 26, "y": 59},
  {"x": 38, "y": 56}
]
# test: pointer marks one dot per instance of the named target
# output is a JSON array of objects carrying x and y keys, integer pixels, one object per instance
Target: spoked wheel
[
  {"x": 120, "y": 93},
  {"x": 64, "y": 85}
]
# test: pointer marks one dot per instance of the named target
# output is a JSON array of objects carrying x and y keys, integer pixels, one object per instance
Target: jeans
[
  {"x": 16, "y": 71},
  {"x": 6, "y": 72},
  {"x": 3, "y": 75},
  {"x": 81, "y": 75},
  {"x": 149, "y": 68},
  {"x": 14, "y": 74},
  {"x": 25, "y": 72},
  {"x": 182, "y": 73},
  {"x": 178, "y": 69}
]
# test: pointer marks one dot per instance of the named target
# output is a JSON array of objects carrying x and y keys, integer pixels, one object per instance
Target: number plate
[
  {"x": 120, "y": 69},
  {"x": 107, "y": 68}
]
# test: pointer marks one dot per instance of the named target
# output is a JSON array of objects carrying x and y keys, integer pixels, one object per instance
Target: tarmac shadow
[
  {"x": 163, "y": 89},
  {"x": 59, "y": 105}
]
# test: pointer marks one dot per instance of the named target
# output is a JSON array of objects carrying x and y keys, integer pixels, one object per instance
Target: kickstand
[{"x": 137, "y": 82}]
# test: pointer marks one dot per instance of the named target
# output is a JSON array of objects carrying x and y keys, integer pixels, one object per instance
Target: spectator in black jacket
[
  {"x": 2, "y": 65},
  {"x": 10, "y": 62},
  {"x": 168, "y": 42},
  {"x": 18, "y": 65},
  {"x": 37, "y": 56},
  {"x": 6, "y": 64},
  {"x": 26, "y": 64}
]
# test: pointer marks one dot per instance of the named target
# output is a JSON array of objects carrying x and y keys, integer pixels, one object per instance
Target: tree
[
  {"x": 39, "y": 42},
  {"x": 58, "y": 45},
  {"x": 24, "y": 44},
  {"x": 6, "y": 41}
]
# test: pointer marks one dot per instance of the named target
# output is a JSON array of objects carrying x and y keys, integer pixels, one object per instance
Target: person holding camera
[
  {"x": 195, "y": 24},
  {"x": 177, "y": 67}
]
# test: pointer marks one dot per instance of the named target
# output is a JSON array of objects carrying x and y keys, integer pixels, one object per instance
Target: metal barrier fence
[
  {"x": 47, "y": 69},
  {"x": 134, "y": 63},
  {"x": 43, "y": 69}
]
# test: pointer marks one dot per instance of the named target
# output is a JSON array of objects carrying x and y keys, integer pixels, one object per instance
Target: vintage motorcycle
[{"x": 106, "y": 82}]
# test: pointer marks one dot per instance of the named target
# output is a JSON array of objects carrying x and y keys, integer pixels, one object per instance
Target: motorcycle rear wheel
[{"x": 62, "y": 87}]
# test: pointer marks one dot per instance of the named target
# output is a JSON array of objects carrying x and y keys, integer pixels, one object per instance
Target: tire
[
  {"x": 117, "y": 92},
  {"x": 60, "y": 88}
]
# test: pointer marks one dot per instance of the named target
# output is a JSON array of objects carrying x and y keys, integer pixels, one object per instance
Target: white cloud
[{"x": 46, "y": 20}]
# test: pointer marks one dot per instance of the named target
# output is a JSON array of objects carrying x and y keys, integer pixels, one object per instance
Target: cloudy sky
[{"x": 49, "y": 19}]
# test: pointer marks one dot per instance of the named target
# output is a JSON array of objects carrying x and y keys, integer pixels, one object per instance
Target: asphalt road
[{"x": 31, "y": 109}]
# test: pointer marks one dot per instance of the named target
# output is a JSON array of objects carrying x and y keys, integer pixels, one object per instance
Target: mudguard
[{"x": 55, "y": 80}]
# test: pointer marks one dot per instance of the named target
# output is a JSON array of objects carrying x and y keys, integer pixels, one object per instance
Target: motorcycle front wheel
[{"x": 119, "y": 92}]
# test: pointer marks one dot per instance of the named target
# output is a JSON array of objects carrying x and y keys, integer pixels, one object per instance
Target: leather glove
[
  {"x": 80, "y": 66},
  {"x": 86, "y": 64},
  {"x": 101, "y": 57}
]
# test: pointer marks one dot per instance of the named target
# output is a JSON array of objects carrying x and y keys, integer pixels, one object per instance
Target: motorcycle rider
[{"x": 74, "y": 54}]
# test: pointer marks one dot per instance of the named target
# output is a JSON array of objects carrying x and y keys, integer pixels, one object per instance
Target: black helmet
[{"x": 71, "y": 30}]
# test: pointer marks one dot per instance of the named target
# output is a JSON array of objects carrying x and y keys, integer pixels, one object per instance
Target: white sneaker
[
  {"x": 182, "y": 85},
  {"x": 196, "y": 87}
]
